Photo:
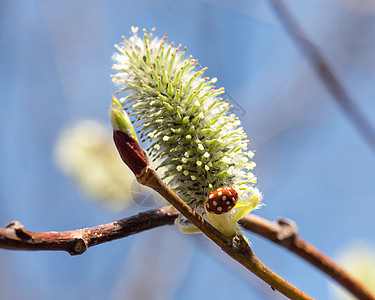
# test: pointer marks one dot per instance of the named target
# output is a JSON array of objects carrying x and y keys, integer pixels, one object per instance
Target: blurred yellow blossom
[
  {"x": 359, "y": 260},
  {"x": 86, "y": 153}
]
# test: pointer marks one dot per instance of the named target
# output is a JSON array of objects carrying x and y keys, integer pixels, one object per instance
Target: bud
[
  {"x": 126, "y": 140},
  {"x": 120, "y": 120}
]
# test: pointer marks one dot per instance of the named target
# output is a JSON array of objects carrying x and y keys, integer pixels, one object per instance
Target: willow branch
[
  {"x": 15, "y": 237},
  {"x": 330, "y": 79},
  {"x": 284, "y": 233},
  {"x": 235, "y": 247}
]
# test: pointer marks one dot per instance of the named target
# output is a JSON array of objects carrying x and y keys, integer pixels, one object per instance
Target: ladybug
[{"x": 221, "y": 200}]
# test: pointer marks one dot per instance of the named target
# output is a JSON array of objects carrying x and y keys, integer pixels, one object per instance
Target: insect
[{"x": 221, "y": 200}]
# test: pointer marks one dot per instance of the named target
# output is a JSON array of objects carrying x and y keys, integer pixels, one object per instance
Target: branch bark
[
  {"x": 282, "y": 232},
  {"x": 15, "y": 237},
  {"x": 235, "y": 247}
]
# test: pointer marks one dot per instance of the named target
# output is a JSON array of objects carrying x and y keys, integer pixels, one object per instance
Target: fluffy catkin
[{"x": 194, "y": 139}]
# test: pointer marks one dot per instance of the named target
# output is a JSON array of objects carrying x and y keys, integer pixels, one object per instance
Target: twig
[
  {"x": 235, "y": 247},
  {"x": 15, "y": 237},
  {"x": 322, "y": 67},
  {"x": 284, "y": 232}
]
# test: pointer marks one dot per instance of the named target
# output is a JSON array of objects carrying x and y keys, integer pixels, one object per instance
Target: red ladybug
[{"x": 221, "y": 200}]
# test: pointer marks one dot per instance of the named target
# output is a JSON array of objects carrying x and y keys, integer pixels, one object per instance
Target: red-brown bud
[{"x": 130, "y": 151}]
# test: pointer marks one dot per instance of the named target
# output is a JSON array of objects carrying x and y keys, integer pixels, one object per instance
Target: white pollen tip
[
  {"x": 220, "y": 193},
  {"x": 224, "y": 198},
  {"x": 219, "y": 208},
  {"x": 211, "y": 196}
]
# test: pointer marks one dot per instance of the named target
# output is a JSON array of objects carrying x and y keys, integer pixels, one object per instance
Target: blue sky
[{"x": 312, "y": 164}]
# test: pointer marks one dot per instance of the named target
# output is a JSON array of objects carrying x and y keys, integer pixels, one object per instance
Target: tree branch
[
  {"x": 15, "y": 237},
  {"x": 282, "y": 232},
  {"x": 235, "y": 247},
  {"x": 330, "y": 79}
]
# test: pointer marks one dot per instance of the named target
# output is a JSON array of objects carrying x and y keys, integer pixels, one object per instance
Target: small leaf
[{"x": 243, "y": 208}]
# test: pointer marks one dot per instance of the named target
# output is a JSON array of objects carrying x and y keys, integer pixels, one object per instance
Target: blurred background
[{"x": 313, "y": 166}]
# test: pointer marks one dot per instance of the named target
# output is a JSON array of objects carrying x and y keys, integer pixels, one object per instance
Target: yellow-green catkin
[{"x": 193, "y": 138}]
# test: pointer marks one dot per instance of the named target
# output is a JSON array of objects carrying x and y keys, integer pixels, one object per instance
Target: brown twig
[
  {"x": 322, "y": 67},
  {"x": 15, "y": 237},
  {"x": 235, "y": 247},
  {"x": 284, "y": 232}
]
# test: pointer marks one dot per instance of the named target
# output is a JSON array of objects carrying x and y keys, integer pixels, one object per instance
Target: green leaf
[{"x": 243, "y": 208}]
